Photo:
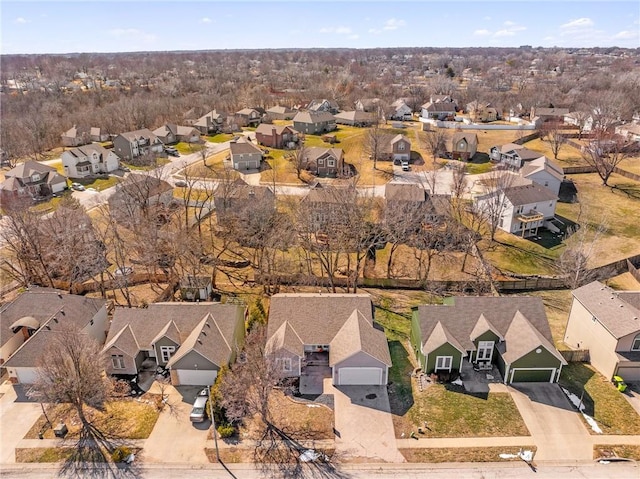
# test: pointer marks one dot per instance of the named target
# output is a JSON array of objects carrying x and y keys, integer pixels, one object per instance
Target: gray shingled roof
[
  {"x": 542, "y": 164},
  {"x": 619, "y": 312},
  {"x": 88, "y": 150},
  {"x": 137, "y": 134},
  {"x": 243, "y": 147},
  {"x": 460, "y": 318},
  {"x": 404, "y": 192},
  {"x": 470, "y": 138},
  {"x": 320, "y": 318},
  {"x": 528, "y": 194},
  {"x": 522, "y": 338},
  {"x": 267, "y": 129},
  {"x": 313, "y": 117}
]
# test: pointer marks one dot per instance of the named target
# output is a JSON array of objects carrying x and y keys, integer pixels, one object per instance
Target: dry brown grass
[
  {"x": 461, "y": 454},
  {"x": 631, "y": 164},
  {"x": 557, "y": 305},
  {"x": 624, "y": 282},
  {"x": 624, "y": 450},
  {"x": 567, "y": 156},
  {"x": 45, "y": 454}
]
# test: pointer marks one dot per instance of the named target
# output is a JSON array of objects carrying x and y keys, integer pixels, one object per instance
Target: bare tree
[
  {"x": 492, "y": 205},
  {"x": 435, "y": 142},
  {"x": 605, "y": 152},
  {"x": 553, "y": 136},
  {"x": 373, "y": 141},
  {"x": 298, "y": 158}
]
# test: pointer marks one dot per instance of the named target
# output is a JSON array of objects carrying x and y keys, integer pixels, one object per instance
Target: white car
[
  {"x": 77, "y": 187},
  {"x": 198, "y": 413}
]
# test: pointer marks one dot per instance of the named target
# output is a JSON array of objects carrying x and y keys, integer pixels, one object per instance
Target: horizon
[{"x": 101, "y": 27}]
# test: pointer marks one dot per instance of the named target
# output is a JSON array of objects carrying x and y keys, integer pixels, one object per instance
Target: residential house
[
  {"x": 32, "y": 179},
  {"x": 277, "y": 136},
  {"x": 511, "y": 333},
  {"x": 541, "y": 115},
  {"x": 544, "y": 172},
  {"x": 370, "y": 105},
  {"x": 394, "y": 148},
  {"x": 210, "y": 123},
  {"x": 519, "y": 209},
  {"x": 481, "y": 111},
  {"x": 235, "y": 201},
  {"x": 399, "y": 111},
  {"x": 245, "y": 155},
  {"x": 248, "y": 117},
  {"x": 138, "y": 195},
  {"x": 464, "y": 145},
  {"x": 443, "y": 99},
  {"x": 192, "y": 340},
  {"x": 326, "y": 204},
  {"x": 99, "y": 135},
  {"x": 355, "y": 118},
  {"x": 440, "y": 110},
  {"x": 324, "y": 162},
  {"x": 171, "y": 133},
  {"x": 607, "y": 323},
  {"x": 28, "y": 323},
  {"x": 92, "y": 159},
  {"x": 630, "y": 131},
  {"x": 583, "y": 120},
  {"x": 410, "y": 200},
  {"x": 314, "y": 123},
  {"x": 328, "y": 334},
  {"x": 76, "y": 136},
  {"x": 192, "y": 115},
  {"x": 134, "y": 144},
  {"x": 196, "y": 288},
  {"x": 279, "y": 112},
  {"x": 513, "y": 155},
  {"x": 328, "y": 106}
]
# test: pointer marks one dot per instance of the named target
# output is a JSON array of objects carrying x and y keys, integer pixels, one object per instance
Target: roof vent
[
  {"x": 199, "y": 341},
  {"x": 59, "y": 295}
]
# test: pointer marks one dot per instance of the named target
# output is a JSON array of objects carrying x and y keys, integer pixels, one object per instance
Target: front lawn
[
  {"x": 624, "y": 450},
  {"x": 220, "y": 137},
  {"x": 51, "y": 454},
  {"x": 462, "y": 454},
  {"x": 601, "y": 399},
  {"x": 187, "y": 148}
]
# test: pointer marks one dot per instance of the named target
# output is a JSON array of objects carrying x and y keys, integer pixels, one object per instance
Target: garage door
[
  {"x": 26, "y": 375},
  {"x": 359, "y": 376},
  {"x": 187, "y": 377},
  {"x": 629, "y": 374},
  {"x": 532, "y": 375}
]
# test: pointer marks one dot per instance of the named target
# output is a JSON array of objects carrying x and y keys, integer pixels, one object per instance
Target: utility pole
[{"x": 213, "y": 423}]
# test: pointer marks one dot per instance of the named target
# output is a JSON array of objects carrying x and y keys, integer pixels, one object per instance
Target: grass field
[
  {"x": 622, "y": 450},
  {"x": 567, "y": 156},
  {"x": 462, "y": 454}
]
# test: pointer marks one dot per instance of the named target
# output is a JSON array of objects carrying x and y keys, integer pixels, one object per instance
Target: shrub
[
  {"x": 120, "y": 453},
  {"x": 226, "y": 430}
]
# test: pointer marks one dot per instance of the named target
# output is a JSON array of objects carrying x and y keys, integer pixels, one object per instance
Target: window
[
  {"x": 485, "y": 351},
  {"x": 635, "y": 346},
  {"x": 284, "y": 363},
  {"x": 35, "y": 177},
  {"x": 331, "y": 163},
  {"x": 546, "y": 183},
  {"x": 117, "y": 361},
  {"x": 401, "y": 146},
  {"x": 166, "y": 352},
  {"x": 444, "y": 362}
]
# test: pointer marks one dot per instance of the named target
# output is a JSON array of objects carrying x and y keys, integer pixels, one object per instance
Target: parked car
[
  {"x": 405, "y": 166},
  {"x": 124, "y": 168},
  {"x": 77, "y": 187},
  {"x": 124, "y": 271},
  {"x": 173, "y": 153},
  {"x": 181, "y": 183},
  {"x": 198, "y": 413}
]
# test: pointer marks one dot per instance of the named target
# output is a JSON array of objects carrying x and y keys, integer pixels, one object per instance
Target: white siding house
[{"x": 89, "y": 160}]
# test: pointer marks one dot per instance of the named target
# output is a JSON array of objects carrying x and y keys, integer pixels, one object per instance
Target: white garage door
[
  {"x": 629, "y": 374},
  {"x": 26, "y": 375},
  {"x": 187, "y": 377},
  {"x": 359, "y": 376}
]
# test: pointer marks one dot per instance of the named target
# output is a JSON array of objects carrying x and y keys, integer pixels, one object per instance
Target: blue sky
[{"x": 116, "y": 26}]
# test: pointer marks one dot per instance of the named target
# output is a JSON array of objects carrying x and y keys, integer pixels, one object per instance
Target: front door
[{"x": 485, "y": 351}]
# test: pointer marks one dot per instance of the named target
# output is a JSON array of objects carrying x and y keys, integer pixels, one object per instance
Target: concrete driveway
[
  {"x": 363, "y": 425},
  {"x": 175, "y": 439},
  {"x": 632, "y": 394},
  {"x": 554, "y": 424},
  {"x": 17, "y": 416}
]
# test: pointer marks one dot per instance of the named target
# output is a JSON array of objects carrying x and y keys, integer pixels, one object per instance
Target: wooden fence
[
  {"x": 575, "y": 355},
  {"x": 635, "y": 272}
]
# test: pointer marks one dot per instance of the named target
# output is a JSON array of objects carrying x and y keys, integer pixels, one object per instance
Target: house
[
  {"x": 510, "y": 332},
  {"x": 438, "y": 110},
  {"x": 519, "y": 209},
  {"x": 192, "y": 115},
  {"x": 137, "y": 195},
  {"x": 276, "y": 136},
  {"x": 192, "y": 340},
  {"x": 196, "y": 288},
  {"x": 245, "y": 155},
  {"x": 411, "y": 201},
  {"x": 236, "y": 200},
  {"x": 355, "y": 118},
  {"x": 27, "y": 323},
  {"x": 328, "y": 106},
  {"x": 76, "y": 136},
  {"x": 314, "y": 122},
  {"x": 281, "y": 113},
  {"x": 209, "y": 123},
  {"x": 92, "y": 159},
  {"x": 544, "y": 172},
  {"x": 481, "y": 111},
  {"x": 607, "y": 323},
  {"x": 324, "y": 205},
  {"x": 370, "y": 105},
  {"x": 543, "y": 115},
  {"x": 583, "y": 120},
  {"x": 513, "y": 155},
  {"x": 32, "y": 179},
  {"x": 399, "y": 111},
  {"x": 630, "y": 131},
  {"x": 394, "y": 148},
  {"x": 325, "y": 162},
  {"x": 135, "y": 144},
  {"x": 248, "y": 117},
  {"x": 334, "y": 334},
  {"x": 463, "y": 146},
  {"x": 171, "y": 133},
  {"x": 99, "y": 135},
  {"x": 443, "y": 99}
]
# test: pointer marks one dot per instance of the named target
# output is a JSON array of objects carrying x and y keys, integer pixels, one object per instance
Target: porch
[
  {"x": 476, "y": 377},
  {"x": 315, "y": 368}
]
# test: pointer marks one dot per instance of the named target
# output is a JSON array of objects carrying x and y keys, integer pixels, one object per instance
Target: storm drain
[{"x": 371, "y": 396}]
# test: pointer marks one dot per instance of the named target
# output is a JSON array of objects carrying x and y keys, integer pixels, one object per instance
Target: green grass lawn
[
  {"x": 219, "y": 138},
  {"x": 188, "y": 148},
  {"x": 601, "y": 399},
  {"x": 512, "y": 254}
]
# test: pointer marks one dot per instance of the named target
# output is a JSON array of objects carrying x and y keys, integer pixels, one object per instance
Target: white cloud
[
  {"x": 21, "y": 21},
  {"x": 504, "y": 33},
  {"x": 393, "y": 24},
  {"x": 487, "y": 18},
  {"x": 205, "y": 20},
  {"x": 511, "y": 28},
  {"x": 353, "y": 37},
  {"x": 509, "y": 23},
  {"x": 133, "y": 34},
  {"x": 482, "y": 32},
  {"x": 336, "y": 30},
  {"x": 625, "y": 34},
  {"x": 583, "y": 22}
]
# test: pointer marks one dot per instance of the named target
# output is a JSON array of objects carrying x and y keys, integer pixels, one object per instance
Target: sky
[{"x": 123, "y": 26}]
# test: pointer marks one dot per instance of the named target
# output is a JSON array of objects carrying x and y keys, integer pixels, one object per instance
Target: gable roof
[
  {"x": 313, "y": 117},
  {"x": 280, "y": 109},
  {"x": 388, "y": 140},
  {"x": 470, "y": 138},
  {"x": 439, "y": 106},
  {"x": 313, "y": 153},
  {"x": 205, "y": 327},
  {"x": 27, "y": 169},
  {"x": 439, "y": 336},
  {"x": 267, "y": 129},
  {"x": 88, "y": 150},
  {"x": 522, "y": 338},
  {"x": 144, "y": 133},
  {"x": 461, "y": 319},
  {"x": 617, "y": 311},
  {"x": 355, "y": 116},
  {"x": 542, "y": 164},
  {"x": 243, "y": 147},
  {"x": 404, "y": 192},
  {"x": 528, "y": 194},
  {"x": 344, "y": 321}
]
